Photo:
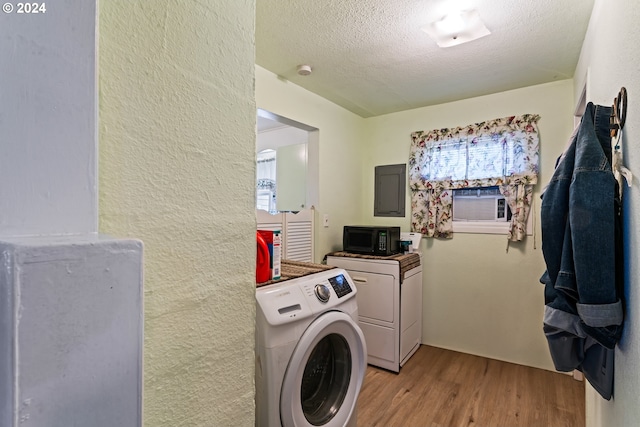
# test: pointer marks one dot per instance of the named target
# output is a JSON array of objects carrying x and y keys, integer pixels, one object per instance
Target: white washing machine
[{"x": 310, "y": 352}]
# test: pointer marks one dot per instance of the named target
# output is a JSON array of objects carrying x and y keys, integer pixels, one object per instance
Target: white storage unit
[
  {"x": 389, "y": 312},
  {"x": 296, "y": 229}
]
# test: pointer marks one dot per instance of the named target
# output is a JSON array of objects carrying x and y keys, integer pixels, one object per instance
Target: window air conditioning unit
[{"x": 480, "y": 207}]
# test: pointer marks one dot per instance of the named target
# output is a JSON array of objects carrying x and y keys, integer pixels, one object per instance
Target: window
[
  {"x": 266, "y": 186},
  {"x": 501, "y": 153}
]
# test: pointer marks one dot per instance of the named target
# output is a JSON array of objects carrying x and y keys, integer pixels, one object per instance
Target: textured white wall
[
  {"x": 48, "y": 121},
  {"x": 609, "y": 60},
  {"x": 177, "y": 169},
  {"x": 479, "y": 299}
]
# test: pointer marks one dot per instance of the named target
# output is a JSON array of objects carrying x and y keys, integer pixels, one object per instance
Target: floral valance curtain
[{"x": 501, "y": 152}]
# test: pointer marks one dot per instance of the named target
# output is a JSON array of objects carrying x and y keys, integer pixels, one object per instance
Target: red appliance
[{"x": 263, "y": 269}]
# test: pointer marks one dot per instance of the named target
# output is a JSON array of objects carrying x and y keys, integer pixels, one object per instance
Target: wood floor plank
[{"x": 443, "y": 388}]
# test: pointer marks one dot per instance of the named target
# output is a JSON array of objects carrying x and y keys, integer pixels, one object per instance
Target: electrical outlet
[{"x": 325, "y": 220}]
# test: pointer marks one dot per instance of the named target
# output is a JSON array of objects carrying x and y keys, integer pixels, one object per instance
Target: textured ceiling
[{"x": 372, "y": 58}]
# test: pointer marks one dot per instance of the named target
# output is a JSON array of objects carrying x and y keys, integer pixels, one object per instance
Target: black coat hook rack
[{"x": 619, "y": 112}]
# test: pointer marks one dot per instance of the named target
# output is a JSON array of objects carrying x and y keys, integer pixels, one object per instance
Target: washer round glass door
[{"x": 325, "y": 373}]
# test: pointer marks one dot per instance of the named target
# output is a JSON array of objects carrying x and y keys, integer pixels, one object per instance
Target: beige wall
[
  {"x": 610, "y": 59},
  {"x": 339, "y": 158},
  {"x": 177, "y": 170},
  {"x": 478, "y": 298}
]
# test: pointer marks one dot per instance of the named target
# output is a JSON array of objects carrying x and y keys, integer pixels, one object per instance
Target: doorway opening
[{"x": 287, "y": 164}]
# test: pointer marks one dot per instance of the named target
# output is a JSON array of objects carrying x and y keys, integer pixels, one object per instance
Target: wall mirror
[{"x": 287, "y": 164}]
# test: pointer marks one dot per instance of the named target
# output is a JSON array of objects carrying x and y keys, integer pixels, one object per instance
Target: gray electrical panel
[{"x": 390, "y": 190}]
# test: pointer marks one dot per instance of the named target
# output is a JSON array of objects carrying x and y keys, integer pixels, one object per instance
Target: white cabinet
[
  {"x": 291, "y": 177},
  {"x": 389, "y": 312}
]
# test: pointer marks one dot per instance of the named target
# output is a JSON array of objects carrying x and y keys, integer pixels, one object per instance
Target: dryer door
[{"x": 325, "y": 373}]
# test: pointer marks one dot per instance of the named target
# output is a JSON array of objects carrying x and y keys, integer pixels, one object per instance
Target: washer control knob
[{"x": 322, "y": 292}]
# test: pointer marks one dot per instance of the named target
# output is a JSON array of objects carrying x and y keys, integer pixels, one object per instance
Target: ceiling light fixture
[{"x": 457, "y": 28}]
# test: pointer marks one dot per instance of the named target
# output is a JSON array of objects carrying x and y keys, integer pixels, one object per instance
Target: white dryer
[{"x": 310, "y": 352}]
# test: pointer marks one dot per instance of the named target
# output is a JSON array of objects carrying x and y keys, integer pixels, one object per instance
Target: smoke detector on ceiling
[{"x": 304, "y": 70}]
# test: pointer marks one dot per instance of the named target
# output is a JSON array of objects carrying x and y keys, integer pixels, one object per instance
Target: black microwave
[{"x": 371, "y": 240}]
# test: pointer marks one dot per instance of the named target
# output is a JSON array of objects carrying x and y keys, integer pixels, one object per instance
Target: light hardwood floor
[{"x": 443, "y": 388}]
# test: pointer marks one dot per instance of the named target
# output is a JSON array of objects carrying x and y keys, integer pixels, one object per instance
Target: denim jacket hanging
[{"x": 581, "y": 245}]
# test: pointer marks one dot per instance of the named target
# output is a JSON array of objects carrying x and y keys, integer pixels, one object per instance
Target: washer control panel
[
  {"x": 341, "y": 285},
  {"x": 302, "y": 297}
]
